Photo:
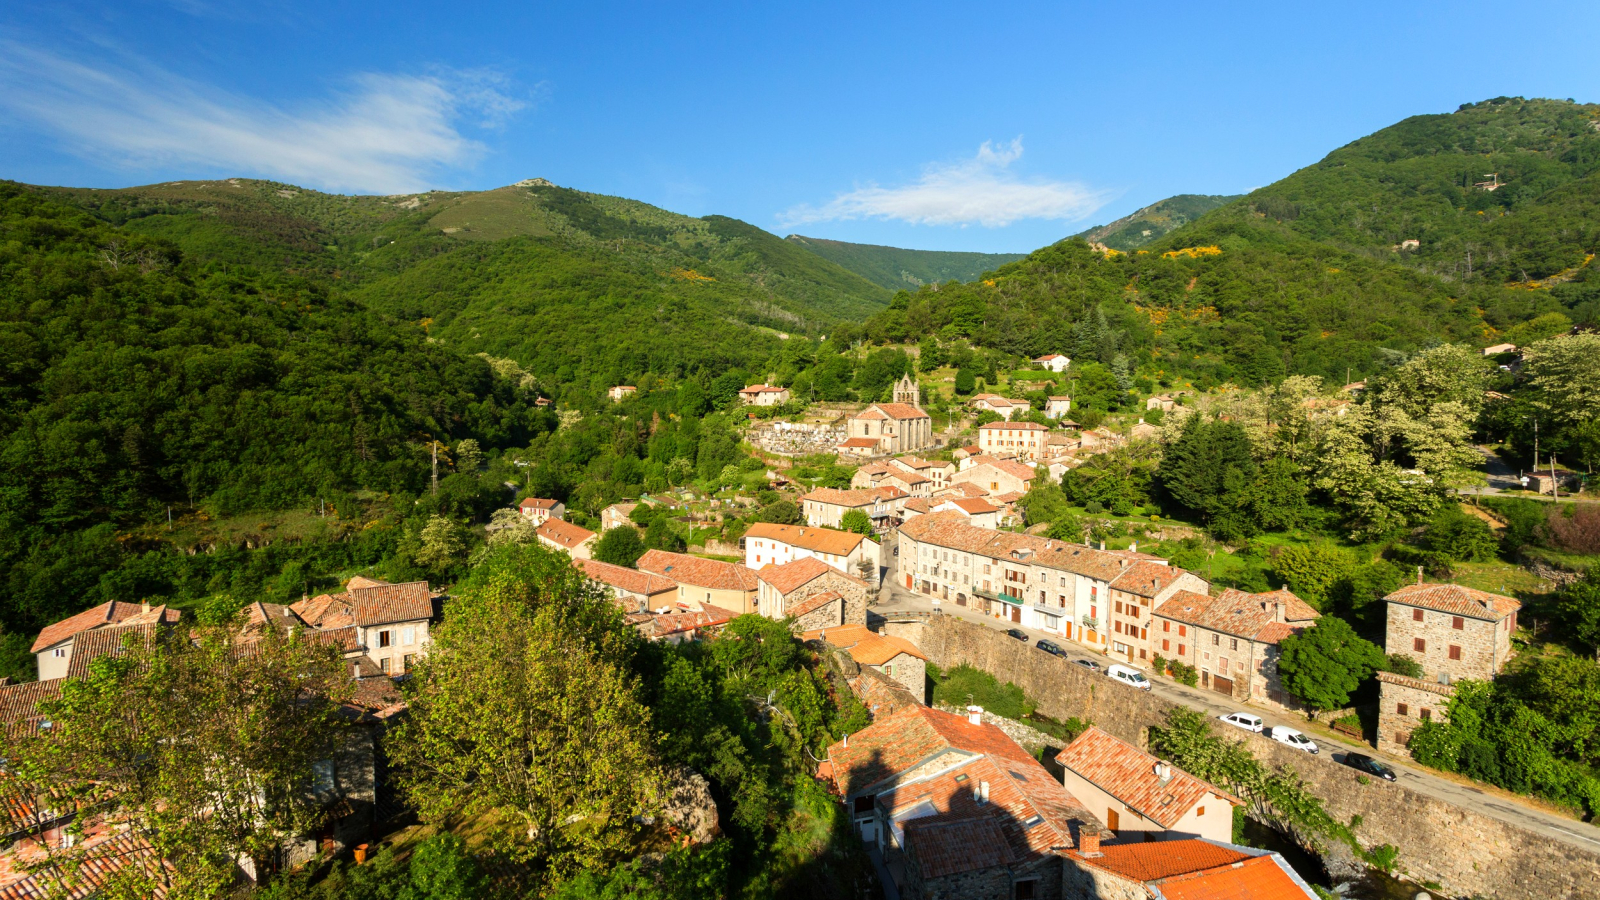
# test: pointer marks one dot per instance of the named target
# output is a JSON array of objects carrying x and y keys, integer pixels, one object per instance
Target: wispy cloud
[
  {"x": 982, "y": 190},
  {"x": 384, "y": 133}
]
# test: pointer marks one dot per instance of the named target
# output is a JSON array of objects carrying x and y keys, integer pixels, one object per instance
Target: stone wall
[
  {"x": 1468, "y": 853},
  {"x": 828, "y": 615},
  {"x": 1403, "y": 705},
  {"x": 1481, "y": 646},
  {"x": 855, "y": 591}
]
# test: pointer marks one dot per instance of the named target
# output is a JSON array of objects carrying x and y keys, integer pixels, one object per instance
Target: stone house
[
  {"x": 1134, "y": 594},
  {"x": 633, "y": 590},
  {"x": 936, "y": 470},
  {"x": 1188, "y": 869},
  {"x": 559, "y": 535},
  {"x": 53, "y": 647},
  {"x": 1024, "y": 440},
  {"x": 888, "y": 428},
  {"x": 1162, "y": 402},
  {"x": 764, "y": 395},
  {"x": 1232, "y": 639},
  {"x": 1140, "y": 797},
  {"x": 538, "y": 509},
  {"x": 791, "y": 589},
  {"x": 825, "y": 507},
  {"x": 1055, "y": 362},
  {"x": 1403, "y": 705},
  {"x": 392, "y": 623},
  {"x": 895, "y": 657},
  {"x": 703, "y": 582},
  {"x": 869, "y": 476},
  {"x": 616, "y": 515},
  {"x": 977, "y": 510},
  {"x": 1451, "y": 630},
  {"x": 1004, "y": 407},
  {"x": 1056, "y": 407},
  {"x": 768, "y": 544},
  {"x": 997, "y": 476},
  {"x": 957, "y": 808}
]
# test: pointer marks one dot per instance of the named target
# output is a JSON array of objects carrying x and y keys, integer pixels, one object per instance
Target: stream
[{"x": 1374, "y": 885}]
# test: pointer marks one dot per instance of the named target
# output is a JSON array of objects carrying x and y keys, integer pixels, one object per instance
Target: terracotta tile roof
[
  {"x": 974, "y": 506},
  {"x": 1275, "y": 632},
  {"x": 326, "y": 611},
  {"x": 667, "y": 624},
  {"x": 1008, "y": 497},
  {"x": 964, "y": 488},
  {"x": 1129, "y": 774},
  {"x": 1457, "y": 600},
  {"x": 910, "y": 478},
  {"x": 362, "y": 581},
  {"x": 871, "y": 413},
  {"x": 792, "y": 576},
  {"x": 888, "y": 492},
  {"x": 943, "y": 847},
  {"x": 808, "y": 537},
  {"x": 863, "y": 442},
  {"x": 917, "y": 462},
  {"x": 900, "y": 410},
  {"x": 1009, "y": 466},
  {"x": 1147, "y": 579},
  {"x": 837, "y": 497},
  {"x": 815, "y": 602},
  {"x": 564, "y": 534},
  {"x": 1261, "y": 878},
  {"x": 1162, "y": 859},
  {"x": 623, "y": 578},
  {"x": 899, "y": 742},
  {"x": 113, "y": 612},
  {"x": 538, "y": 503},
  {"x": 103, "y": 860},
  {"x": 344, "y": 637},
  {"x": 951, "y": 530},
  {"x": 706, "y": 573},
  {"x": 762, "y": 389},
  {"x": 91, "y": 645},
  {"x": 392, "y": 603},
  {"x": 866, "y": 647},
  {"x": 19, "y": 702},
  {"x": 1012, "y": 426},
  {"x": 1444, "y": 690},
  {"x": 1234, "y": 612},
  {"x": 919, "y": 504},
  {"x": 872, "y": 469}
]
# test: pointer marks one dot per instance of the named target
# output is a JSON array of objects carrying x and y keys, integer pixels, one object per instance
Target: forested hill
[
  {"x": 1299, "y": 277},
  {"x": 1153, "y": 222},
  {"x": 742, "y": 273},
  {"x": 898, "y": 269},
  {"x": 1507, "y": 190}
]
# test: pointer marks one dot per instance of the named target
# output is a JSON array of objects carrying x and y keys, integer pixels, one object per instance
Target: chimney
[
  {"x": 975, "y": 715},
  {"x": 144, "y": 605},
  {"x": 1133, "y": 547},
  {"x": 1163, "y": 771},
  {"x": 847, "y": 740},
  {"x": 1419, "y": 574},
  {"x": 980, "y": 793},
  {"x": 1088, "y": 841}
]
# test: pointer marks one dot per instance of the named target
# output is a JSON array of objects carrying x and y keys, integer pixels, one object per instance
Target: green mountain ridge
[
  {"x": 899, "y": 269},
  {"x": 1147, "y": 225}
]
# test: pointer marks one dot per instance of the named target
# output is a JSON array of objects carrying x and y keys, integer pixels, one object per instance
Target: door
[
  {"x": 1016, "y": 614},
  {"x": 908, "y": 582},
  {"x": 1205, "y": 679},
  {"x": 1113, "y": 820},
  {"x": 869, "y": 831},
  {"x": 961, "y": 599},
  {"x": 1222, "y": 685}
]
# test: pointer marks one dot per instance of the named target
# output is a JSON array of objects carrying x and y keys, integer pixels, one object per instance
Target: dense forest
[
  {"x": 1147, "y": 225},
  {"x": 898, "y": 269}
]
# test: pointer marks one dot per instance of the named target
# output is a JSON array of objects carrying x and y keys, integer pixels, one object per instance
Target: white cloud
[
  {"x": 980, "y": 190},
  {"x": 384, "y": 133}
]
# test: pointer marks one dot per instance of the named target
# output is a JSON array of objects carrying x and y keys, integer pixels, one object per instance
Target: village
[{"x": 946, "y": 801}]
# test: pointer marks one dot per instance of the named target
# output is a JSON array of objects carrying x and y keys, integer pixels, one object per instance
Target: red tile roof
[
  {"x": 837, "y": 497},
  {"x": 327, "y": 611},
  {"x": 1251, "y": 616},
  {"x": 1147, "y": 579},
  {"x": 1129, "y": 774},
  {"x": 863, "y": 442},
  {"x": 110, "y": 613},
  {"x": 539, "y": 503},
  {"x": 1009, "y": 466},
  {"x": 1012, "y": 426},
  {"x": 792, "y": 576},
  {"x": 952, "y": 530},
  {"x": 387, "y": 603},
  {"x": 623, "y": 578},
  {"x": 91, "y": 645},
  {"x": 1162, "y": 859},
  {"x": 103, "y": 859},
  {"x": 866, "y": 647},
  {"x": 900, "y": 410},
  {"x": 564, "y": 534},
  {"x": 1457, "y": 600},
  {"x": 705, "y": 573},
  {"x": 807, "y": 537},
  {"x": 762, "y": 389},
  {"x": 19, "y": 702},
  {"x": 1261, "y": 878},
  {"x": 974, "y": 506},
  {"x": 942, "y": 847},
  {"x": 815, "y": 602}
]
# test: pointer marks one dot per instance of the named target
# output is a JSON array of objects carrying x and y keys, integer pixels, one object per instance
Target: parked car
[
  {"x": 1293, "y": 738},
  {"x": 1019, "y": 634},
  {"x": 1247, "y": 721},
  {"x": 1089, "y": 664},
  {"x": 1363, "y": 763},
  {"x": 1129, "y": 676},
  {"x": 1050, "y": 648}
]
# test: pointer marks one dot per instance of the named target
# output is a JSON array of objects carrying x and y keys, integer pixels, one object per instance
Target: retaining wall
[{"x": 1469, "y": 854}]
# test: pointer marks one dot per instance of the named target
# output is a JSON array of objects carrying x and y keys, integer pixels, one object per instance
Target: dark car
[
  {"x": 1089, "y": 664},
  {"x": 1050, "y": 648},
  {"x": 1017, "y": 633},
  {"x": 1367, "y": 764}
]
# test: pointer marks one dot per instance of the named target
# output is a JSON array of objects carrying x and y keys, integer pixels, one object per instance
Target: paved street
[{"x": 1488, "y": 801}]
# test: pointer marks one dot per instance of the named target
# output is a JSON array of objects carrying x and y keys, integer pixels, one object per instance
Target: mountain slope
[
  {"x": 898, "y": 269},
  {"x": 1153, "y": 222}
]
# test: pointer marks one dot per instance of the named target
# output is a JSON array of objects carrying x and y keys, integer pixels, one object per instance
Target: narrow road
[{"x": 1488, "y": 801}]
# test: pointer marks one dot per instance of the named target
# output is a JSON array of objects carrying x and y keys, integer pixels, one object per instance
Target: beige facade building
[
  {"x": 767, "y": 544},
  {"x": 1232, "y": 640},
  {"x": 889, "y": 428},
  {"x": 560, "y": 535},
  {"x": 1004, "y": 407},
  {"x": 1024, "y": 440},
  {"x": 806, "y": 590},
  {"x": 634, "y": 591},
  {"x": 764, "y": 395},
  {"x": 53, "y": 648},
  {"x": 825, "y": 507},
  {"x": 538, "y": 509},
  {"x": 1141, "y": 797},
  {"x": 996, "y": 476},
  {"x": 704, "y": 582}
]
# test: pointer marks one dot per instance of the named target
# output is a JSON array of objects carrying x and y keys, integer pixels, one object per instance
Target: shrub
[
  {"x": 1184, "y": 673},
  {"x": 1575, "y": 529},
  {"x": 1094, "y": 506},
  {"x": 1401, "y": 664},
  {"x": 1459, "y": 535}
]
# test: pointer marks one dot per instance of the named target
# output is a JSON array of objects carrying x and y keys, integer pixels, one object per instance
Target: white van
[
  {"x": 1292, "y": 738},
  {"x": 1129, "y": 676}
]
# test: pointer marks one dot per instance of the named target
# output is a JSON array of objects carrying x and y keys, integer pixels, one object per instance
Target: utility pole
[
  {"x": 1555, "y": 486},
  {"x": 1536, "y": 443},
  {"x": 435, "y": 447}
]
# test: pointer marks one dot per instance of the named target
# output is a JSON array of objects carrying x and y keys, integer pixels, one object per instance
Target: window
[
  {"x": 1235, "y": 642},
  {"x": 385, "y": 638},
  {"x": 1400, "y": 709},
  {"x": 1144, "y": 634},
  {"x": 1026, "y": 890},
  {"x": 1216, "y": 639},
  {"x": 1141, "y": 654},
  {"x": 1457, "y": 623},
  {"x": 1416, "y": 615},
  {"x": 1419, "y": 645},
  {"x": 60, "y": 652},
  {"x": 1427, "y": 714},
  {"x": 1166, "y": 645},
  {"x": 1183, "y": 630},
  {"x": 322, "y": 776},
  {"x": 383, "y": 665},
  {"x": 1199, "y": 811},
  {"x": 1117, "y": 627},
  {"x": 409, "y": 660},
  {"x": 1166, "y": 626},
  {"x": 1180, "y": 649},
  {"x": 408, "y": 637},
  {"x": 1455, "y": 652}
]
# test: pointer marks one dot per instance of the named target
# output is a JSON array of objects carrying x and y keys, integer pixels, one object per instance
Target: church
[{"x": 890, "y": 428}]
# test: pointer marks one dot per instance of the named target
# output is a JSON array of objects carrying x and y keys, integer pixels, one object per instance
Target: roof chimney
[
  {"x": 1163, "y": 771},
  {"x": 1088, "y": 841},
  {"x": 144, "y": 605},
  {"x": 975, "y": 715},
  {"x": 1419, "y": 574},
  {"x": 847, "y": 740},
  {"x": 1133, "y": 547},
  {"x": 981, "y": 792}
]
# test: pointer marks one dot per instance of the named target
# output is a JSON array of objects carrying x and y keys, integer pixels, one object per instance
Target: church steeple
[{"x": 906, "y": 391}]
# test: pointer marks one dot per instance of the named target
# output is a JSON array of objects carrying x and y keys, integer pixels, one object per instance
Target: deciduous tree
[{"x": 1325, "y": 663}]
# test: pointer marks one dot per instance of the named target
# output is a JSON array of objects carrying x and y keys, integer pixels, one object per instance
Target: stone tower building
[{"x": 907, "y": 392}]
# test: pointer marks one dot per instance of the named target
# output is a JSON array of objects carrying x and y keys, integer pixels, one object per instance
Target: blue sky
[{"x": 996, "y": 127}]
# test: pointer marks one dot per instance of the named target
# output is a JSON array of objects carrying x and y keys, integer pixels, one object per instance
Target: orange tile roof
[
  {"x": 952, "y": 530},
  {"x": 1009, "y": 466},
  {"x": 794, "y": 575},
  {"x": 973, "y": 506},
  {"x": 1012, "y": 426},
  {"x": 707, "y": 616},
  {"x": 112, "y": 612},
  {"x": 1147, "y": 579},
  {"x": 910, "y": 478},
  {"x": 361, "y": 581},
  {"x": 815, "y": 602},
  {"x": 1162, "y": 859},
  {"x": 965, "y": 488},
  {"x": 1129, "y": 774},
  {"x": 866, "y": 647},
  {"x": 539, "y": 503},
  {"x": 91, "y": 645},
  {"x": 900, "y": 410},
  {"x": 1261, "y": 878},
  {"x": 942, "y": 847},
  {"x": 19, "y": 702},
  {"x": 762, "y": 389},
  {"x": 919, "y": 504},
  {"x": 623, "y": 578},
  {"x": 326, "y": 610},
  {"x": 859, "y": 442},
  {"x": 808, "y": 537},
  {"x": 706, "y": 573},
  {"x": 1457, "y": 600},
  {"x": 837, "y": 497},
  {"x": 564, "y": 534},
  {"x": 1250, "y": 616},
  {"x": 392, "y": 603}
]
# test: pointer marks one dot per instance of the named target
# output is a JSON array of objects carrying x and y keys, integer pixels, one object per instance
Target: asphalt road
[{"x": 1489, "y": 802}]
